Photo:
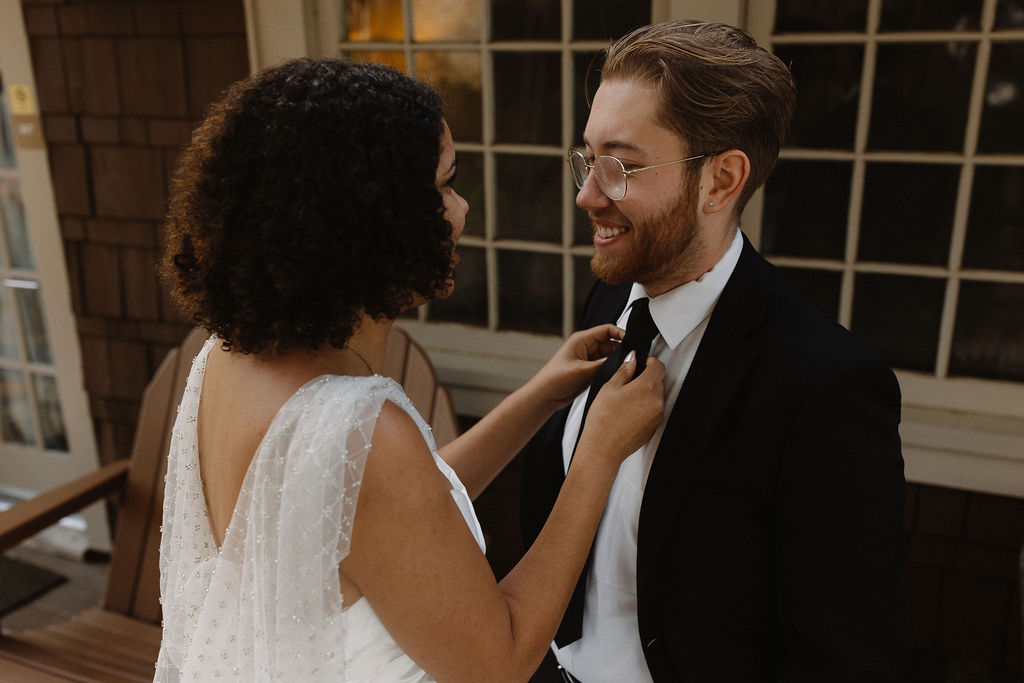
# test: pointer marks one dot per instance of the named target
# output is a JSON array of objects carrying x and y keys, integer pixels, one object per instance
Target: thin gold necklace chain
[{"x": 361, "y": 357}]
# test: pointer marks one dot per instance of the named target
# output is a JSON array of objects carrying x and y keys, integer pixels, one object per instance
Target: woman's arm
[
  {"x": 414, "y": 559},
  {"x": 485, "y": 449}
]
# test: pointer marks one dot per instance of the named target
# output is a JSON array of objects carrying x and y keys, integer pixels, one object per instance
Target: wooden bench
[{"x": 119, "y": 639}]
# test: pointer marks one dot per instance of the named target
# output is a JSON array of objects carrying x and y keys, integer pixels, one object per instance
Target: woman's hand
[
  {"x": 571, "y": 368},
  {"x": 625, "y": 413}
]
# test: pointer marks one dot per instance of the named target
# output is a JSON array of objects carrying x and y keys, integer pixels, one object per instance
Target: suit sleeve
[{"x": 839, "y": 524}]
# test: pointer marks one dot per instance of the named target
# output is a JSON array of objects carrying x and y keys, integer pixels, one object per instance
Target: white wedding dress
[{"x": 267, "y": 605}]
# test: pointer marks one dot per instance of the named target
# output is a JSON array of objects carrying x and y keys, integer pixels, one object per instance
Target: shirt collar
[{"x": 678, "y": 311}]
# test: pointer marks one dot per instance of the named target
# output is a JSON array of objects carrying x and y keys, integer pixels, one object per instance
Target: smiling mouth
[{"x": 609, "y": 231}]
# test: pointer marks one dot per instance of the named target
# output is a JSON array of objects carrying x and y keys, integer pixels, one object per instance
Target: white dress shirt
[{"x": 610, "y": 649}]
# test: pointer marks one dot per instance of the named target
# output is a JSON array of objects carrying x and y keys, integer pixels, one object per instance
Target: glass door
[{"x": 46, "y": 434}]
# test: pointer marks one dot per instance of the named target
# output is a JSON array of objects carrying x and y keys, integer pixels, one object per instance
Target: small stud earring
[{"x": 711, "y": 203}]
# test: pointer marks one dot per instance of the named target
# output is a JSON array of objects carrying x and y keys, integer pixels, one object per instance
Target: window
[
  {"x": 897, "y": 206},
  {"x": 897, "y": 201},
  {"x": 512, "y": 72}
]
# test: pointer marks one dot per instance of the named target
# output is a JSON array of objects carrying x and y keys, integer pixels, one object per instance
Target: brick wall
[{"x": 120, "y": 86}]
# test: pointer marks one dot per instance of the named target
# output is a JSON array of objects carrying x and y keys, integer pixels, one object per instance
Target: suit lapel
[{"x": 722, "y": 361}]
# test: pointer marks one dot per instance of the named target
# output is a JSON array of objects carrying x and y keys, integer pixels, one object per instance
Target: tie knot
[{"x": 640, "y": 328}]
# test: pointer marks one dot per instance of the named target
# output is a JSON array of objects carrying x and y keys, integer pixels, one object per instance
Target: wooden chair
[{"x": 119, "y": 640}]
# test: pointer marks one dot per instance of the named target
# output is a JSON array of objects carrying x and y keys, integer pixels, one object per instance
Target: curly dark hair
[{"x": 307, "y": 197}]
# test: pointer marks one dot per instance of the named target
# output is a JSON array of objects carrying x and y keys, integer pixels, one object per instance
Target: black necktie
[{"x": 640, "y": 332}]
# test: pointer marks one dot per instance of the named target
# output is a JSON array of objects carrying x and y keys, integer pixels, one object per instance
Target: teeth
[{"x": 606, "y": 232}]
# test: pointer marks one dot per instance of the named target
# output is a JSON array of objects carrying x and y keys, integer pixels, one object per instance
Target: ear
[{"x": 724, "y": 178}]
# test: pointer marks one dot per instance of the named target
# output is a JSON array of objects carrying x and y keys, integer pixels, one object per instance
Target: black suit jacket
[{"x": 770, "y": 539}]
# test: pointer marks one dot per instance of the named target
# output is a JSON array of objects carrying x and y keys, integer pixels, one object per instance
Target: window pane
[
  {"x": 30, "y": 305},
  {"x": 908, "y": 213},
  {"x": 530, "y": 291},
  {"x": 1010, "y": 14},
  {"x": 1004, "y": 101},
  {"x": 468, "y": 302},
  {"x": 805, "y": 208},
  {"x": 457, "y": 76},
  {"x": 815, "y": 15},
  {"x": 528, "y": 97},
  {"x": 526, "y": 20},
  {"x": 988, "y": 339},
  {"x": 899, "y": 317},
  {"x": 15, "y": 409},
  {"x": 7, "y": 159},
  {"x": 995, "y": 225},
  {"x": 586, "y": 78},
  {"x": 437, "y": 20},
  {"x": 911, "y": 82},
  {"x": 372, "y": 20},
  {"x": 828, "y": 78},
  {"x": 470, "y": 185},
  {"x": 930, "y": 15},
  {"x": 8, "y": 330},
  {"x": 820, "y": 286},
  {"x": 51, "y": 421},
  {"x": 12, "y": 211},
  {"x": 608, "y": 19},
  {"x": 529, "y": 193},
  {"x": 582, "y": 228},
  {"x": 393, "y": 58},
  {"x": 583, "y": 280}
]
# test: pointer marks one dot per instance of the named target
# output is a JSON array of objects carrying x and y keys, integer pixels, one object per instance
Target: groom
[{"x": 758, "y": 536}]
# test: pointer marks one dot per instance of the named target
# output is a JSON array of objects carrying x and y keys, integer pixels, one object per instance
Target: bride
[{"x": 311, "y": 531}]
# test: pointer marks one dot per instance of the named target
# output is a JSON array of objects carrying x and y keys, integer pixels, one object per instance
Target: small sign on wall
[{"x": 28, "y": 130}]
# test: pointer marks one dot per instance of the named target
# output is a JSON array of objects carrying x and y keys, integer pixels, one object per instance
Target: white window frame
[{"x": 960, "y": 433}]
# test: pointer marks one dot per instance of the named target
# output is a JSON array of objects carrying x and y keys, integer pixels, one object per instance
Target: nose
[{"x": 590, "y": 196}]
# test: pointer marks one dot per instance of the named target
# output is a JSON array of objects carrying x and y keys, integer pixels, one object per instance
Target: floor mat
[{"x": 21, "y": 583}]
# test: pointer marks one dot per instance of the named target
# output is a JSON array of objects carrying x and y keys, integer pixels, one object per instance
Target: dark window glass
[
  {"x": 51, "y": 419},
  {"x": 457, "y": 75},
  {"x": 988, "y": 338},
  {"x": 911, "y": 82},
  {"x": 908, "y": 213},
  {"x": 1010, "y": 14},
  {"x": 582, "y": 229},
  {"x": 526, "y": 20},
  {"x": 820, "y": 286},
  {"x": 530, "y": 293},
  {"x": 815, "y": 15},
  {"x": 899, "y": 317},
  {"x": 930, "y": 15},
  {"x": 529, "y": 191},
  {"x": 470, "y": 184},
  {"x": 438, "y": 20},
  {"x": 528, "y": 97},
  {"x": 583, "y": 280},
  {"x": 372, "y": 20},
  {"x": 828, "y": 79},
  {"x": 468, "y": 301},
  {"x": 608, "y": 19},
  {"x": 586, "y": 79},
  {"x": 16, "y": 423},
  {"x": 995, "y": 225},
  {"x": 1003, "y": 110},
  {"x": 805, "y": 205}
]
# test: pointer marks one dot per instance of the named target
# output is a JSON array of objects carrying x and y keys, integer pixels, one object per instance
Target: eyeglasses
[{"x": 611, "y": 173}]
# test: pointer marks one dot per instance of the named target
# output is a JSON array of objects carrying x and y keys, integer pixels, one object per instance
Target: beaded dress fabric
[{"x": 267, "y": 605}]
